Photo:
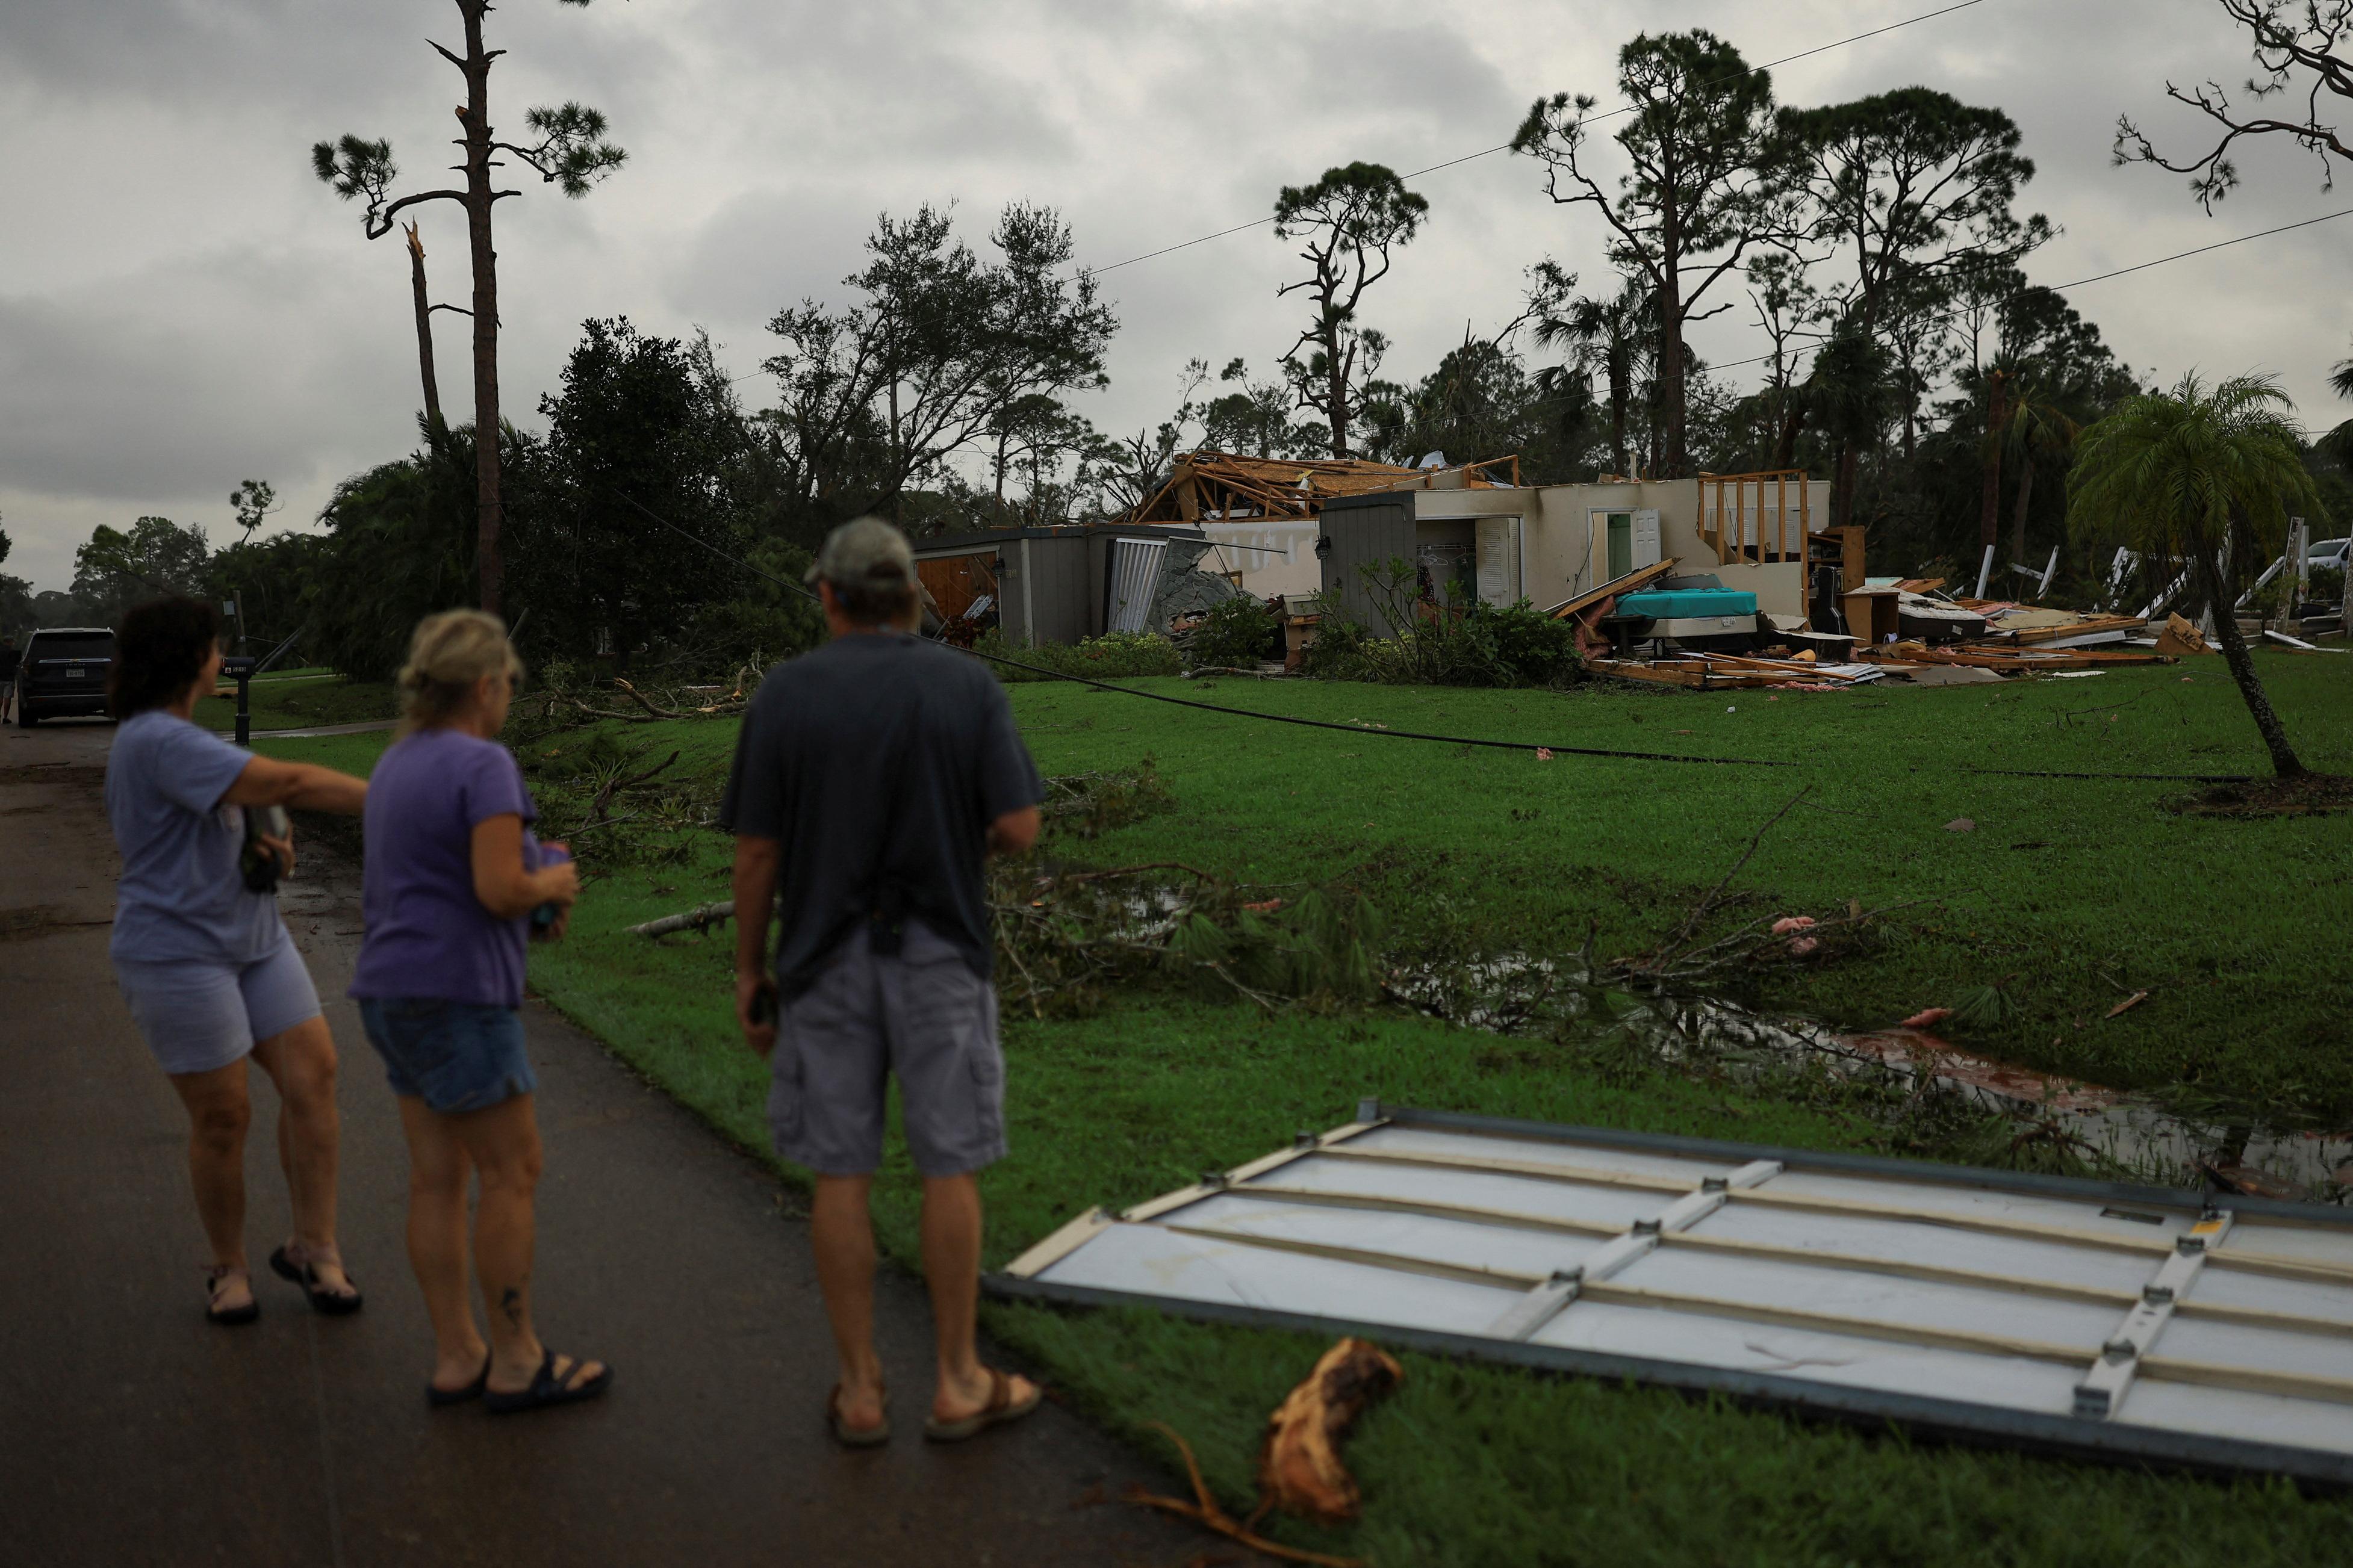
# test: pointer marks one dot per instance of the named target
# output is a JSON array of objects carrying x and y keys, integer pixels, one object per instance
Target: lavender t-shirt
[{"x": 428, "y": 934}]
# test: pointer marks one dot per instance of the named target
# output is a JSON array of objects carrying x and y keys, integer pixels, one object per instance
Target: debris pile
[{"x": 1667, "y": 628}]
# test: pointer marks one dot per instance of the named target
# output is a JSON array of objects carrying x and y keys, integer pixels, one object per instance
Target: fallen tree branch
[
  {"x": 1205, "y": 1511},
  {"x": 699, "y": 919},
  {"x": 642, "y": 701}
]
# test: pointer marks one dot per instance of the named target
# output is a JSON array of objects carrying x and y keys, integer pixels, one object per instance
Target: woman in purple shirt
[{"x": 453, "y": 876}]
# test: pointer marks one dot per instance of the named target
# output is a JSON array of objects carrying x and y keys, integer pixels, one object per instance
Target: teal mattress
[{"x": 1688, "y": 603}]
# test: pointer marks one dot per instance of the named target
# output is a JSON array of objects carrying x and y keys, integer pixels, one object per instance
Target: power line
[
  {"x": 2096, "y": 278},
  {"x": 1234, "y": 713},
  {"x": 1587, "y": 119},
  {"x": 1506, "y": 146}
]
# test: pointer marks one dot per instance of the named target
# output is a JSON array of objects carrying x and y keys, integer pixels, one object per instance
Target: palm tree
[
  {"x": 1614, "y": 335},
  {"x": 2038, "y": 425},
  {"x": 2180, "y": 475}
]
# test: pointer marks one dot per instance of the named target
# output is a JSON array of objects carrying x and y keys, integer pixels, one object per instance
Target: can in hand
[
  {"x": 543, "y": 918},
  {"x": 256, "y": 863}
]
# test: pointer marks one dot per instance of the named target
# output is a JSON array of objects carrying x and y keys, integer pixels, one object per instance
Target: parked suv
[{"x": 63, "y": 671}]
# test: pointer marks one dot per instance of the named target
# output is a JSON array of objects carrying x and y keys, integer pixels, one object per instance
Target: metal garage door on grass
[{"x": 2079, "y": 1316}]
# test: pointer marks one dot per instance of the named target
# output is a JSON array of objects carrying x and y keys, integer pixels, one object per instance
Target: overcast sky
[{"x": 182, "y": 305}]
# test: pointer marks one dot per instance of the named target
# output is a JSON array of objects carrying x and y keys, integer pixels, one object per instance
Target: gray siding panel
[{"x": 1365, "y": 534}]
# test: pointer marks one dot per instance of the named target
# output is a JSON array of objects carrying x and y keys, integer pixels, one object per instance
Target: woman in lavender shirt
[
  {"x": 452, "y": 878},
  {"x": 203, "y": 959}
]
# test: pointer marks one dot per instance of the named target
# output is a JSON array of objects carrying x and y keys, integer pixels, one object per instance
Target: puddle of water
[{"x": 1505, "y": 994}]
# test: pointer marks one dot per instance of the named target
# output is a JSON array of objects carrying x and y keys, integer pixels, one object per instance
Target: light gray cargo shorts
[{"x": 922, "y": 1013}]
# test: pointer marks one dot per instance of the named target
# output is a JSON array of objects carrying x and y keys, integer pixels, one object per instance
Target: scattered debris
[
  {"x": 2179, "y": 639},
  {"x": 2128, "y": 1003},
  {"x": 1961, "y": 825}
]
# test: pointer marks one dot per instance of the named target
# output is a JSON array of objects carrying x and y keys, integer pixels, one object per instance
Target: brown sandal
[
  {"x": 851, "y": 1436},
  {"x": 999, "y": 1409},
  {"x": 216, "y": 1275}
]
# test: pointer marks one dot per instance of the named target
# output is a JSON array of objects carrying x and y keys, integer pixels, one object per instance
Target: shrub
[
  {"x": 1517, "y": 644},
  {"x": 1238, "y": 633},
  {"x": 1107, "y": 658}
]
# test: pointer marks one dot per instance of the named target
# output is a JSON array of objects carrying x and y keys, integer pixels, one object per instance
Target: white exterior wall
[{"x": 1281, "y": 558}]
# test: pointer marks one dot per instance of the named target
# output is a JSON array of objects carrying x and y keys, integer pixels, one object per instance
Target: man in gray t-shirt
[{"x": 872, "y": 778}]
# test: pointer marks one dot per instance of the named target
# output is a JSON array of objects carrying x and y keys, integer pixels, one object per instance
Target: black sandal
[
  {"x": 439, "y": 1398},
  {"x": 326, "y": 1303},
  {"x": 234, "y": 1316},
  {"x": 546, "y": 1389}
]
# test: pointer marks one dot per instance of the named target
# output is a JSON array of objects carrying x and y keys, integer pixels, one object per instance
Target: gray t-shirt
[
  {"x": 180, "y": 896},
  {"x": 878, "y": 761}
]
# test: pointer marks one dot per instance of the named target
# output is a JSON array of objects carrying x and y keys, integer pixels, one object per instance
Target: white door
[
  {"x": 1496, "y": 541},
  {"x": 1646, "y": 540}
]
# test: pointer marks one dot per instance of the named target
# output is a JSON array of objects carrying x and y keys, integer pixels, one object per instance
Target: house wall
[
  {"x": 1563, "y": 552},
  {"x": 1281, "y": 558}
]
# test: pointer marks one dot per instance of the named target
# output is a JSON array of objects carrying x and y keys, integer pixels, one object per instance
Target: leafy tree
[
  {"x": 2179, "y": 475},
  {"x": 1254, "y": 419},
  {"x": 115, "y": 569},
  {"x": 1480, "y": 403},
  {"x": 1848, "y": 397},
  {"x": 881, "y": 397},
  {"x": 1697, "y": 197},
  {"x": 570, "y": 151},
  {"x": 271, "y": 581},
  {"x": 2296, "y": 44},
  {"x": 1916, "y": 188},
  {"x": 253, "y": 501},
  {"x": 1350, "y": 223},
  {"x": 399, "y": 546},
  {"x": 628, "y": 432}
]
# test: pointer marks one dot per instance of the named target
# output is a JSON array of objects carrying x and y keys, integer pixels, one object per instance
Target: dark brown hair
[{"x": 159, "y": 648}]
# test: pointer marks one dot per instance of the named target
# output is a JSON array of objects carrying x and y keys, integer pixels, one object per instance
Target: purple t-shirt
[{"x": 428, "y": 934}]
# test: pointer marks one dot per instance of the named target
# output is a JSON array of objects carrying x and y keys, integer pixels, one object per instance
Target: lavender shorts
[{"x": 198, "y": 1016}]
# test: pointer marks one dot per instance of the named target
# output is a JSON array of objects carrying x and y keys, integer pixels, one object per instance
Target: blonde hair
[{"x": 448, "y": 656}]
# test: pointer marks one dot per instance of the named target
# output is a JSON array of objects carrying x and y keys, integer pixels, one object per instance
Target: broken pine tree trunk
[
  {"x": 1299, "y": 1469},
  {"x": 424, "y": 327}
]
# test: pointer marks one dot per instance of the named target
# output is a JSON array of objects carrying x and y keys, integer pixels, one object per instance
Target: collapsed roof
[{"x": 1224, "y": 486}]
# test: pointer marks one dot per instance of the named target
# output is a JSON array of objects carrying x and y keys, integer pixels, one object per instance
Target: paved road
[{"x": 133, "y": 1433}]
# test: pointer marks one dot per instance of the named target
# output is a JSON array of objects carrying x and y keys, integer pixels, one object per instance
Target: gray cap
[{"x": 865, "y": 552}]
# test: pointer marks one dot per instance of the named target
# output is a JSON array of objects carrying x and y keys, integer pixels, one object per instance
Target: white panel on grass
[{"x": 1961, "y": 1300}]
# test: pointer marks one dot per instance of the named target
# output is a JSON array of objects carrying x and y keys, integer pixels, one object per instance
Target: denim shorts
[
  {"x": 198, "y": 1016},
  {"x": 456, "y": 1056},
  {"x": 921, "y": 1014}
]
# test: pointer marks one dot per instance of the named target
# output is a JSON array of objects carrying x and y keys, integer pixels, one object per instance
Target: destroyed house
[
  {"x": 1260, "y": 512},
  {"x": 1762, "y": 533}
]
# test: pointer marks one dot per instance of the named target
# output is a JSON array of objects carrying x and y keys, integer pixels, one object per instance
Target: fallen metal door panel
[
  {"x": 1134, "y": 578},
  {"x": 2092, "y": 1316}
]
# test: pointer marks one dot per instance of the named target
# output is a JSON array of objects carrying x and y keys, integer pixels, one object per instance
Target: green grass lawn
[
  {"x": 302, "y": 699},
  {"x": 2066, "y": 891}
]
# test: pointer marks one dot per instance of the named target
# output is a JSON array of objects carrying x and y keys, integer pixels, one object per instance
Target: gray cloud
[{"x": 184, "y": 306}]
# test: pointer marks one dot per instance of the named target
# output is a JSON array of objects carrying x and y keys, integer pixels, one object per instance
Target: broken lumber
[{"x": 1612, "y": 589}]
